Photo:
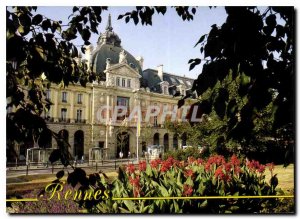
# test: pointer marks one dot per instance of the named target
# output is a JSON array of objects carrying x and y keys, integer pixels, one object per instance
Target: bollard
[
  {"x": 27, "y": 170},
  {"x": 115, "y": 164}
]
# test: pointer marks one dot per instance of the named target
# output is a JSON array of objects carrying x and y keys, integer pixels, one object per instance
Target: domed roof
[{"x": 109, "y": 46}]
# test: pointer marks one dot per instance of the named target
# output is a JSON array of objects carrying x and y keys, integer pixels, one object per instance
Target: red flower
[
  {"x": 237, "y": 170},
  {"x": 219, "y": 173},
  {"x": 135, "y": 181},
  {"x": 171, "y": 160},
  {"x": 155, "y": 163},
  {"x": 253, "y": 165},
  {"x": 261, "y": 168},
  {"x": 130, "y": 168},
  {"x": 191, "y": 160},
  {"x": 270, "y": 166},
  {"x": 142, "y": 166},
  {"x": 166, "y": 165},
  {"x": 227, "y": 167},
  {"x": 234, "y": 160},
  {"x": 217, "y": 159},
  {"x": 187, "y": 190},
  {"x": 200, "y": 161},
  {"x": 188, "y": 173},
  {"x": 136, "y": 192}
]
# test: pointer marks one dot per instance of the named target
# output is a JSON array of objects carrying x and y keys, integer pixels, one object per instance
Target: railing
[
  {"x": 64, "y": 120},
  {"x": 80, "y": 121},
  {"x": 106, "y": 165}
]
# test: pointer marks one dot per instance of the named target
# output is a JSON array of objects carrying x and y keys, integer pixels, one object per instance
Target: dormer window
[
  {"x": 123, "y": 82},
  {"x": 182, "y": 89},
  {"x": 165, "y": 90},
  {"x": 164, "y": 87}
]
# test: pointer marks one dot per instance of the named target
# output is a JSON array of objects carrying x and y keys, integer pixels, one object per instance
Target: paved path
[{"x": 12, "y": 173}]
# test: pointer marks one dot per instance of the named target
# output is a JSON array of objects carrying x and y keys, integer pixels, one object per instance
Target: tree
[
  {"x": 258, "y": 48},
  {"x": 40, "y": 52},
  {"x": 256, "y": 45},
  {"x": 122, "y": 137},
  {"x": 146, "y": 134}
]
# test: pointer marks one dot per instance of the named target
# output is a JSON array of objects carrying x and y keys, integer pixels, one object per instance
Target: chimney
[
  {"x": 140, "y": 59},
  {"x": 160, "y": 72}
]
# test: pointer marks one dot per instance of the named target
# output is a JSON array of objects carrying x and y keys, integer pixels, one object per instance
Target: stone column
[
  {"x": 72, "y": 118},
  {"x": 87, "y": 107},
  {"x": 55, "y": 101}
]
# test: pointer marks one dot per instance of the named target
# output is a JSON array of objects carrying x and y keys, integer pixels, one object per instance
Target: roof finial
[{"x": 108, "y": 26}]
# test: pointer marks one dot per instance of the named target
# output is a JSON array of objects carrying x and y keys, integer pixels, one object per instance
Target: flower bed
[{"x": 193, "y": 178}]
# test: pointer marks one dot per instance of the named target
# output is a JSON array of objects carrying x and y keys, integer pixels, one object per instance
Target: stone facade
[{"x": 75, "y": 109}]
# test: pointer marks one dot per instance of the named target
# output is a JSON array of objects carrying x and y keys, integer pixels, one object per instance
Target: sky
[{"x": 169, "y": 41}]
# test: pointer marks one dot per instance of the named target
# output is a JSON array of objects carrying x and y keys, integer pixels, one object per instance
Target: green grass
[{"x": 285, "y": 177}]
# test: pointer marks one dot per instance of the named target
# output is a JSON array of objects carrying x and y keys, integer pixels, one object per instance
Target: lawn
[
  {"x": 285, "y": 177},
  {"x": 32, "y": 182}
]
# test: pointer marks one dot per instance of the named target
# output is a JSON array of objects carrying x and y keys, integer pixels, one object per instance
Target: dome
[{"x": 109, "y": 46}]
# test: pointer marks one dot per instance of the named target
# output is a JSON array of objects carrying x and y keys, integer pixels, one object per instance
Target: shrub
[
  {"x": 194, "y": 177},
  {"x": 183, "y": 154}
]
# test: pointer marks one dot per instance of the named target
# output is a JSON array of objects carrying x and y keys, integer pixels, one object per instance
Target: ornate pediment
[{"x": 123, "y": 69}]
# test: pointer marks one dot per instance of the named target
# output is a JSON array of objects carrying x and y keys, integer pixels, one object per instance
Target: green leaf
[
  {"x": 37, "y": 19},
  {"x": 196, "y": 62},
  {"x": 194, "y": 10},
  {"x": 75, "y": 9},
  {"x": 123, "y": 210},
  {"x": 163, "y": 191},
  {"x": 234, "y": 208},
  {"x": 204, "y": 204},
  {"x": 25, "y": 20},
  {"x": 271, "y": 20},
  {"x": 130, "y": 205},
  {"x": 85, "y": 34},
  {"x": 60, "y": 174},
  {"x": 46, "y": 24},
  {"x": 200, "y": 40},
  {"x": 54, "y": 156}
]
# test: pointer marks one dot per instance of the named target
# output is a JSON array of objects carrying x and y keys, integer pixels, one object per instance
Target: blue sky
[{"x": 169, "y": 41}]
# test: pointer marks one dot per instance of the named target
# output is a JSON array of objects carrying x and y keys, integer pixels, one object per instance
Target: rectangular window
[
  {"x": 123, "y": 101},
  {"x": 64, "y": 97},
  {"x": 128, "y": 83},
  {"x": 79, "y": 115},
  {"x": 123, "y": 82},
  {"x": 48, "y": 95},
  {"x": 155, "y": 121},
  {"x": 63, "y": 114},
  {"x": 79, "y": 98},
  {"x": 118, "y": 81}
]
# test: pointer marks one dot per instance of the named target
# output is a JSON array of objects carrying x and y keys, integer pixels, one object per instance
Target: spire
[{"x": 108, "y": 26}]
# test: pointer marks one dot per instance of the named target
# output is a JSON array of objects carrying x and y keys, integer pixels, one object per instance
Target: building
[{"x": 76, "y": 110}]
